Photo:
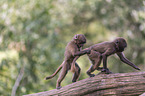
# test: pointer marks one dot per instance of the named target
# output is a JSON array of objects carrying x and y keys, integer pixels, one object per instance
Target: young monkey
[
  {"x": 72, "y": 51},
  {"x": 103, "y": 50}
]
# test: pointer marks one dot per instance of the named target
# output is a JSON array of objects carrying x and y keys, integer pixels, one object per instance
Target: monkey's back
[
  {"x": 102, "y": 47},
  {"x": 68, "y": 51}
]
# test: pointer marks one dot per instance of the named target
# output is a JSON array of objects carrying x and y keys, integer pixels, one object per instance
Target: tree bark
[
  {"x": 119, "y": 84},
  {"x": 17, "y": 82}
]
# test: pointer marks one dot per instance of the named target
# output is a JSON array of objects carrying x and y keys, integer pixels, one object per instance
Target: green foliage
[{"x": 34, "y": 33}]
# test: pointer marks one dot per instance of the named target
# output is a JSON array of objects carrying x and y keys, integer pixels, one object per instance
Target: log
[{"x": 118, "y": 84}]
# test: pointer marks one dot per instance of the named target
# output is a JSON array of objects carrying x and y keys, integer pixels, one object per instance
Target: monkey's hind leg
[
  {"x": 96, "y": 61},
  {"x": 105, "y": 71},
  {"x": 76, "y": 73},
  {"x": 62, "y": 76},
  {"x": 91, "y": 69}
]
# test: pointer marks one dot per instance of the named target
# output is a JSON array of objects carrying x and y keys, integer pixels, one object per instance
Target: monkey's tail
[{"x": 58, "y": 69}]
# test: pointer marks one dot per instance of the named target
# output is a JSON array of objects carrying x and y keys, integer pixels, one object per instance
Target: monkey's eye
[
  {"x": 81, "y": 42},
  {"x": 117, "y": 42}
]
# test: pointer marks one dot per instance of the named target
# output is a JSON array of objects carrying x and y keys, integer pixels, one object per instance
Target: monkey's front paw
[
  {"x": 106, "y": 71},
  {"x": 73, "y": 81},
  {"x": 88, "y": 51},
  {"x": 58, "y": 87},
  {"x": 91, "y": 75},
  {"x": 137, "y": 68},
  {"x": 103, "y": 70},
  {"x": 99, "y": 68}
]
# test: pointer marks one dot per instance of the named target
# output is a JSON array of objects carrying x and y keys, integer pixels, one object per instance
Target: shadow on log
[{"x": 118, "y": 84}]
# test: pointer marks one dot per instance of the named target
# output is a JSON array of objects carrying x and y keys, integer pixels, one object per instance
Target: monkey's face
[
  {"x": 80, "y": 40},
  {"x": 80, "y": 44},
  {"x": 121, "y": 42}
]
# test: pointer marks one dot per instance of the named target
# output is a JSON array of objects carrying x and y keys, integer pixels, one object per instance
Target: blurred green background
[{"x": 34, "y": 33}]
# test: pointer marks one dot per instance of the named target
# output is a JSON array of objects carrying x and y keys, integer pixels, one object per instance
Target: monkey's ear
[{"x": 76, "y": 37}]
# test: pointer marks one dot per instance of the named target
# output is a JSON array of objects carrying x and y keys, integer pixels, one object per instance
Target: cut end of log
[{"x": 120, "y": 84}]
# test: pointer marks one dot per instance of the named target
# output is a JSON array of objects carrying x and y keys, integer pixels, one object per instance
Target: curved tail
[{"x": 58, "y": 69}]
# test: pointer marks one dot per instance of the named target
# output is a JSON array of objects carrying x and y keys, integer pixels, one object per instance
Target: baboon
[
  {"x": 102, "y": 51},
  {"x": 72, "y": 51},
  {"x": 105, "y": 49}
]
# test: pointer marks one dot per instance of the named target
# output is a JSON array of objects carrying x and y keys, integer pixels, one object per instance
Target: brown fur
[
  {"x": 105, "y": 49},
  {"x": 72, "y": 52}
]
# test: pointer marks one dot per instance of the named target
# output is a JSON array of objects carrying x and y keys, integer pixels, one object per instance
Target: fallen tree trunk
[{"x": 120, "y": 84}]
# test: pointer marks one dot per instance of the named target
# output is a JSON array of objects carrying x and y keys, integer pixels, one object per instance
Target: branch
[
  {"x": 17, "y": 82},
  {"x": 112, "y": 84}
]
